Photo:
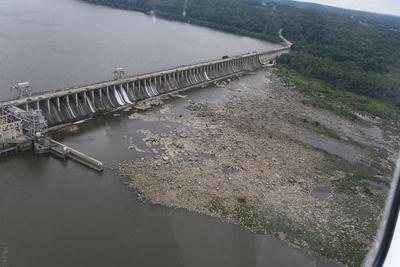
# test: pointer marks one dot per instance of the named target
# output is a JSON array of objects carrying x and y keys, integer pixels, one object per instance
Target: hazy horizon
[{"x": 387, "y": 7}]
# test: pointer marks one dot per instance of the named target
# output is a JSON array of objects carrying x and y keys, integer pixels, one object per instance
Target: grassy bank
[
  {"x": 248, "y": 215},
  {"x": 340, "y": 102}
]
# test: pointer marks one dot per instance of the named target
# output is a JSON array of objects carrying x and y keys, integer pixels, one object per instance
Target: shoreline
[{"x": 225, "y": 162}]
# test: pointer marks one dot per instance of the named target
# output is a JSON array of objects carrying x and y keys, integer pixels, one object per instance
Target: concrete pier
[
  {"x": 65, "y": 152},
  {"x": 8, "y": 152}
]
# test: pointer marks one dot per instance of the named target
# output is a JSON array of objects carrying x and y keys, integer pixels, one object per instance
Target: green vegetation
[
  {"x": 342, "y": 61},
  {"x": 340, "y": 50},
  {"x": 217, "y": 206},
  {"x": 247, "y": 216},
  {"x": 342, "y": 103},
  {"x": 321, "y": 129},
  {"x": 334, "y": 246},
  {"x": 344, "y": 248},
  {"x": 349, "y": 183},
  {"x": 355, "y": 183},
  {"x": 314, "y": 126},
  {"x": 350, "y": 252}
]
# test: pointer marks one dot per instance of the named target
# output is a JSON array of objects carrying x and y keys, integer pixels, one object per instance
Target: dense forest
[{"x": 347, "y": 50}]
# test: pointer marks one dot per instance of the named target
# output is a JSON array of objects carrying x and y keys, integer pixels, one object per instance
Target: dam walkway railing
[
  {"x": 24, "y": 122},
  {"x": 73, "y": 104}
]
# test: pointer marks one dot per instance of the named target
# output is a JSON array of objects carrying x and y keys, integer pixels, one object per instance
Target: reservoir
[{"x": 54, "y": 213}]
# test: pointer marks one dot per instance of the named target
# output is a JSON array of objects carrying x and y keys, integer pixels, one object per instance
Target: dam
[
  {"x": 25, "y": 120},
  {"x": 52, "y": 209}
]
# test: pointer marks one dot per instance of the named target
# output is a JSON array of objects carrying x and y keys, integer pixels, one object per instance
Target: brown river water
[{"x": 54, "y": 213}]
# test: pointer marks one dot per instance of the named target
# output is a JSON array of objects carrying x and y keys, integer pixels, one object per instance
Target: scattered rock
[{"x": 258, "y": 156}]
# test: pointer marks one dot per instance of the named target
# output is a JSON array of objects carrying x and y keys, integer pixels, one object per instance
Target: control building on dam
[{"x": 26, "y": 119}]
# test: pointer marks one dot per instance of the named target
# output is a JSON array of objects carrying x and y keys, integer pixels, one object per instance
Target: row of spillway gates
[{"x": 24, "y": 121}]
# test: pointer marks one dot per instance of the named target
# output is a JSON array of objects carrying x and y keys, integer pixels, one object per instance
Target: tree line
[{"x": 349, "y": 50}]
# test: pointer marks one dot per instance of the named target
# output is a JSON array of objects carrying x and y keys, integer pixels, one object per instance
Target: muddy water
[
  {"x": 55, "y": 213},
  {"x": 320, "y": 192},
  {"x": 333, "y": 147},
  {"x": 58, "y": 43}
]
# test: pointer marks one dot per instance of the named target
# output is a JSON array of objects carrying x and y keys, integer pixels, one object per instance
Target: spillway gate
[{"x": 24, "y": 121}]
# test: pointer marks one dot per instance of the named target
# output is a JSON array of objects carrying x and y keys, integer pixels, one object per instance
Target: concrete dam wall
[{"x": 77, "y": 103}]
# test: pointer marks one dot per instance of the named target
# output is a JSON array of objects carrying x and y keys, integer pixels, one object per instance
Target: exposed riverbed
[
  {"x": 55, "y": 213},
  {"x": 245, "y": 155},
  {"x": 95, "y": 220}
]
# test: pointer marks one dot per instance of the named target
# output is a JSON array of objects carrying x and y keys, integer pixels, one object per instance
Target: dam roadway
[
  {"x": 72, "y": 104},
  {"x": 62, "y": 213}
]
